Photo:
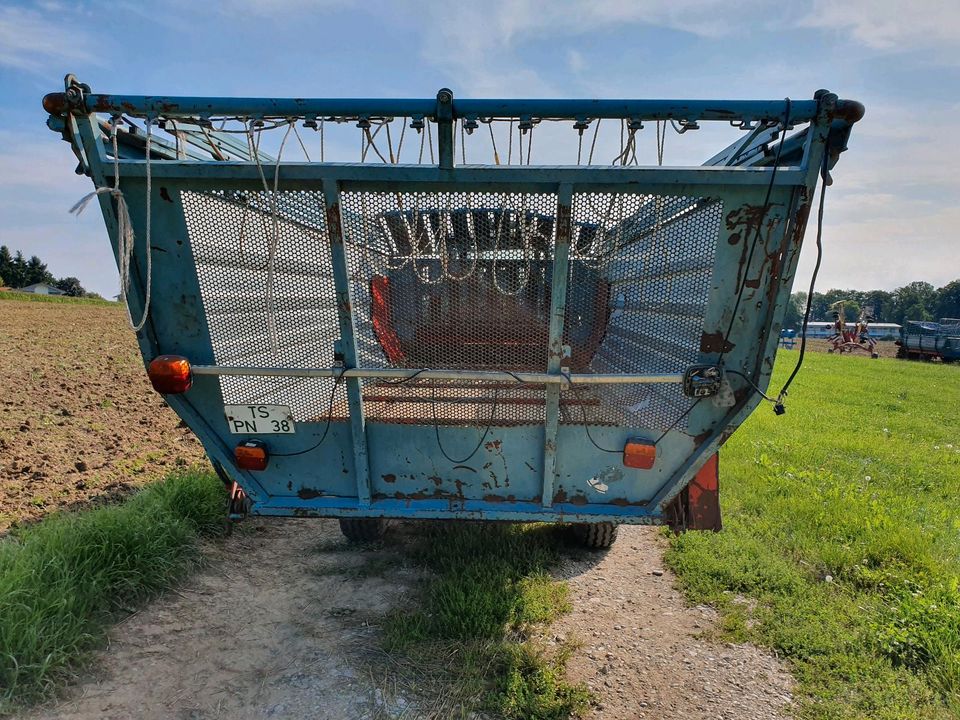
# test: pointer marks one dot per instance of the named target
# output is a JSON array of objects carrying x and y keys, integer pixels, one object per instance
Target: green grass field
[
  {"x": 841, "y": 540},
  {"x": 59, "y": 299}
]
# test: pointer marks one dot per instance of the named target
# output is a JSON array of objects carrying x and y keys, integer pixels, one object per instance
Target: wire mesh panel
[
  {"x": 264, "y": 268},
  {"x": 655, "y": 256},
  {"x": 451, "y": 280}
]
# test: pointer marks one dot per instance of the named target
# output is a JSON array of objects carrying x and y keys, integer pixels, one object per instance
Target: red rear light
[
  {"x": 640, "y": 454},
  {"x": 170, "y": 374},
  {"x": 251, "y": 455}
]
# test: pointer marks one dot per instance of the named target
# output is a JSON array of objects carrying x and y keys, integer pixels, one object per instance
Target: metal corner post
[
  {"x": 341, "y": 279},
  {"x": 555, "y": 354}
]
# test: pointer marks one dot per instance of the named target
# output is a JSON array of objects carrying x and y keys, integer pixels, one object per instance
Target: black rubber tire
[
  {"x": 596, "y": 536},
  {"x": 874, "y": 355},
  {"x": 363, "y": 530}
]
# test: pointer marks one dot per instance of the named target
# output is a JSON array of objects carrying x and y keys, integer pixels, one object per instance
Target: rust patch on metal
[
  {"x": 715, "y": 343},
  {"x": 436, "y": 480},
  {"x": 333, "y": 224},
  {"x": 389, "y": 478},
  {"x": 493, "y": 445},
  {"x": 306, "y": 493},
  {"x": 623, "y": 502},
  {"x": 560, "y": 496},
  {"x": 55, "y": 103},
  {"x": 579, "y": 500}
]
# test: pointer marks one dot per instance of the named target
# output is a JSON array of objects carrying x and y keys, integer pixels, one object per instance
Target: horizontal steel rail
[
  {"x": 297, "y": 175},
  {"x": 174, "y": 107},
  {"x": 427, "y": 374}
]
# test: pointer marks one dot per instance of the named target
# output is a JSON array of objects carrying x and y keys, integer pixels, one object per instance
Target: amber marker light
[
  {"x": 251, "y": 455},
  {"x": 639, "y": 453},
  {"x": 170, "y": 374}
]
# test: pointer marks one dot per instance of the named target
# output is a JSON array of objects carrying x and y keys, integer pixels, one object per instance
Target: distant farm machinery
[
  {"x": 921, "y": 340},
  {"x": 856, "y": 338}
]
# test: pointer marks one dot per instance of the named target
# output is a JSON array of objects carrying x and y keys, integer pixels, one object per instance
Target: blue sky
[{"x": 892, "y": 214}]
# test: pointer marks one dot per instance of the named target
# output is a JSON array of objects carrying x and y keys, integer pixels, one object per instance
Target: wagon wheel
[
  {"x": 596, "y": 536},
  {"x": 363, "y": 530}
]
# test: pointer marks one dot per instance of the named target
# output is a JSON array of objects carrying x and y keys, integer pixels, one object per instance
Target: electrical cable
[
  {"x": 326, "y": 429},
  {"x": 779, "y": 408},
  {"x": 436, "y": 427},
  {"x": 751, "y": 383}
]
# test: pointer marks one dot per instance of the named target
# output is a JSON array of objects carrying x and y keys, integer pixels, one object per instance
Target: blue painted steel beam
[
  {"x": 173, "y": 106},
  {"x": 348, "y": 345},
  {"x": 463, "y": 510},
  {"x": 368, "y": 176},
  {"x": 555, "y": 351}
]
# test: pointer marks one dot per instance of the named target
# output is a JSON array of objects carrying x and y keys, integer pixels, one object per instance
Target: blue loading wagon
[{"x": 436, "y": 339}]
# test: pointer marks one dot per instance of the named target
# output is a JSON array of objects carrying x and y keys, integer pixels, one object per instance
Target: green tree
[
  {"x": 36, "y": 272},
  {"x": 18, "y": 271},
  {"x": 948, "y": 300},
  {"x": 796, "y": 306},
  {"x": 882, "y": 303},
  {"x": 6, "y": 264},
  {"x": 71, "y": 286},
  {"x": 915, "y": 301}
]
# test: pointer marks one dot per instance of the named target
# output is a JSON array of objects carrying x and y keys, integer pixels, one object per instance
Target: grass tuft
[
  {"x": 62, "y": 580},
  {"x": 487, "y": 586}
]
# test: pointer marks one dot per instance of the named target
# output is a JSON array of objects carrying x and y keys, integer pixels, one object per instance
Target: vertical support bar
[
  {"x": 348, "y": 345},
  {"x": 558, "y": 309},
  {"x": 445, "y": 128}
]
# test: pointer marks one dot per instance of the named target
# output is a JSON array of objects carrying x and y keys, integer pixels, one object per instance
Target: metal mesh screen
[
  {"x": 295, "y": 325},
  {"x": 458, "y": 280},
  {"x": 655, "y": 255},
  {"x": 451, "y": 280}
]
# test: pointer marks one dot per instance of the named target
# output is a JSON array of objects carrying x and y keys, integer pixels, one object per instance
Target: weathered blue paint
[
  {"x": 555, "y": 349},
  {"x": 548, "y": 471}
]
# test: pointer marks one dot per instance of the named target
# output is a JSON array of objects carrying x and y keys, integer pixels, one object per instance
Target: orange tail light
[
  {"x": 251, "y": 455},
  {"x": 639, "y": 453},
  {"x": 170, "y": 374}
]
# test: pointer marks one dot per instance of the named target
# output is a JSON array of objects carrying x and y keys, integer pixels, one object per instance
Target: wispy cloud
[
  {"x": 891, "y": 24},
  {"x": 30, "y": 40}
]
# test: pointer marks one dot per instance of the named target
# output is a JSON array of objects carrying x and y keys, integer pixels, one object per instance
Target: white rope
[
  {"x": 272, "y": 247},
  {"x": 493, "y": 141},
  {"x": 125, "y": 236}
]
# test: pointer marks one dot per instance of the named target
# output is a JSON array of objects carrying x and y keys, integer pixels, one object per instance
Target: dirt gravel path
[
  {"x": 265, "y": 631},
  {"x": 643, "y": 653},
  {"x": 280, "y": 621}
]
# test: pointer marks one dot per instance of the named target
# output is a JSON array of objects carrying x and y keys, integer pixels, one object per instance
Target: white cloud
[
  {"x": 31, "y": 41},
  {"x": 891, "y": 24}
]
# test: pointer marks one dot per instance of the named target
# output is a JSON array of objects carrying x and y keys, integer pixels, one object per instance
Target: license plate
[{"x": 259, "y": 419}]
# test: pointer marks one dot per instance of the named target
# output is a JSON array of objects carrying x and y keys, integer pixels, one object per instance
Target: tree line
[
  {"x": 18, "y": 271},
  {"x": 914, "y": 301}
]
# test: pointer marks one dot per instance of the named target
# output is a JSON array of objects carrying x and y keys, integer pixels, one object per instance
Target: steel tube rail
[
  {"x": 174, "y": 106},
  {"x": 426, "y": 374}
]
